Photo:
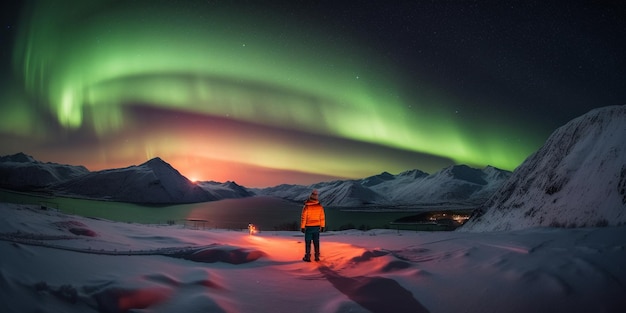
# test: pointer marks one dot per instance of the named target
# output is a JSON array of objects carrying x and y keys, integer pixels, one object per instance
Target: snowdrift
[{"x": 124, "y": 267}]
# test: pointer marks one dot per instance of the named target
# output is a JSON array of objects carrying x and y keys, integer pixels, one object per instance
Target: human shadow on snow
[{"x": 376, "y": 294}]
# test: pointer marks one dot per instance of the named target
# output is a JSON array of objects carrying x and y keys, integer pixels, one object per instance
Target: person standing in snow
[{"x": 312, "y": 222}]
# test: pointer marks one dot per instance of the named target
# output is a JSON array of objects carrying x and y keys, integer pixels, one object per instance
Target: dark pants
[{"x": 312, "y": 233}]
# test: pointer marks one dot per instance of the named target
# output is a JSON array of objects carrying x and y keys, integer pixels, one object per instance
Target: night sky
[{"x": 302, "y": 91}]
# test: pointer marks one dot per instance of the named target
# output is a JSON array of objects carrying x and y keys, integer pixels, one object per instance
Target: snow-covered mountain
[
  {"x": 455, "y": 184},
  {"x": 154, "y": 181},
  {"x": 227, "y": 190},
  {"x": 349, "y": 193},
  {"x": 158, "y": 182},
  {"x": 577, "y": 179},
  {"x": 390, "y": 185},
  {"x": 458, "y": 183},
  {"x": 22, "y": 172},
  {"x": 339, "y": 193}
]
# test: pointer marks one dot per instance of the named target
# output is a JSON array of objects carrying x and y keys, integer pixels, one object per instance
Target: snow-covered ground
[{"x": 52, "y": 262}]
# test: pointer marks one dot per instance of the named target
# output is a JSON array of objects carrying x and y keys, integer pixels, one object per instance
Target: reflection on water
[
  {"x": 266, "y": 213},
  {"x": 115, "y": 211}
]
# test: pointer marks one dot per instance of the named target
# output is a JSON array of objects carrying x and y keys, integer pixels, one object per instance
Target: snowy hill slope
[
  {"x": 152, "y": 182},
  {"x": 577, "y": 179},
  {"x": 22, "y": 172}
]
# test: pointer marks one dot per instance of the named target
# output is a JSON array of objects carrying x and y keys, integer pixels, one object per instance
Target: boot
[
  {"x": 307, "y": 257},
  {"x": 317, "y": 257}
]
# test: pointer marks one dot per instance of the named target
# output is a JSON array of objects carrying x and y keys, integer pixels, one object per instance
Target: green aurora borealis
[{"x": 219, "y": 90}]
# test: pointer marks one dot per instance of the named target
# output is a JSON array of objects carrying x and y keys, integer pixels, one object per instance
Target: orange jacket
[{"x": 312, "y": 214}]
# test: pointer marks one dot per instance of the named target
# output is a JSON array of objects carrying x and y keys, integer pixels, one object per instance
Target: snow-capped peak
[
  {"x": 22, "y": 172},
  {"x": 466, "y": 173}
]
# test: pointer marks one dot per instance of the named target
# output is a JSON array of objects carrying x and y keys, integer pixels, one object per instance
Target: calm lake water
[{"x": 267, "y": 213}]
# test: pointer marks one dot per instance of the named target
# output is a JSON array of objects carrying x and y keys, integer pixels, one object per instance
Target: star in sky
[{"x": 312, "y": 91}]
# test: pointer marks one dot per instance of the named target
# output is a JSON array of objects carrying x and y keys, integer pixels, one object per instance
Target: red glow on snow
[
  {"x": 142, "y": 298},
  {"x": 287, "y": 249}
]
